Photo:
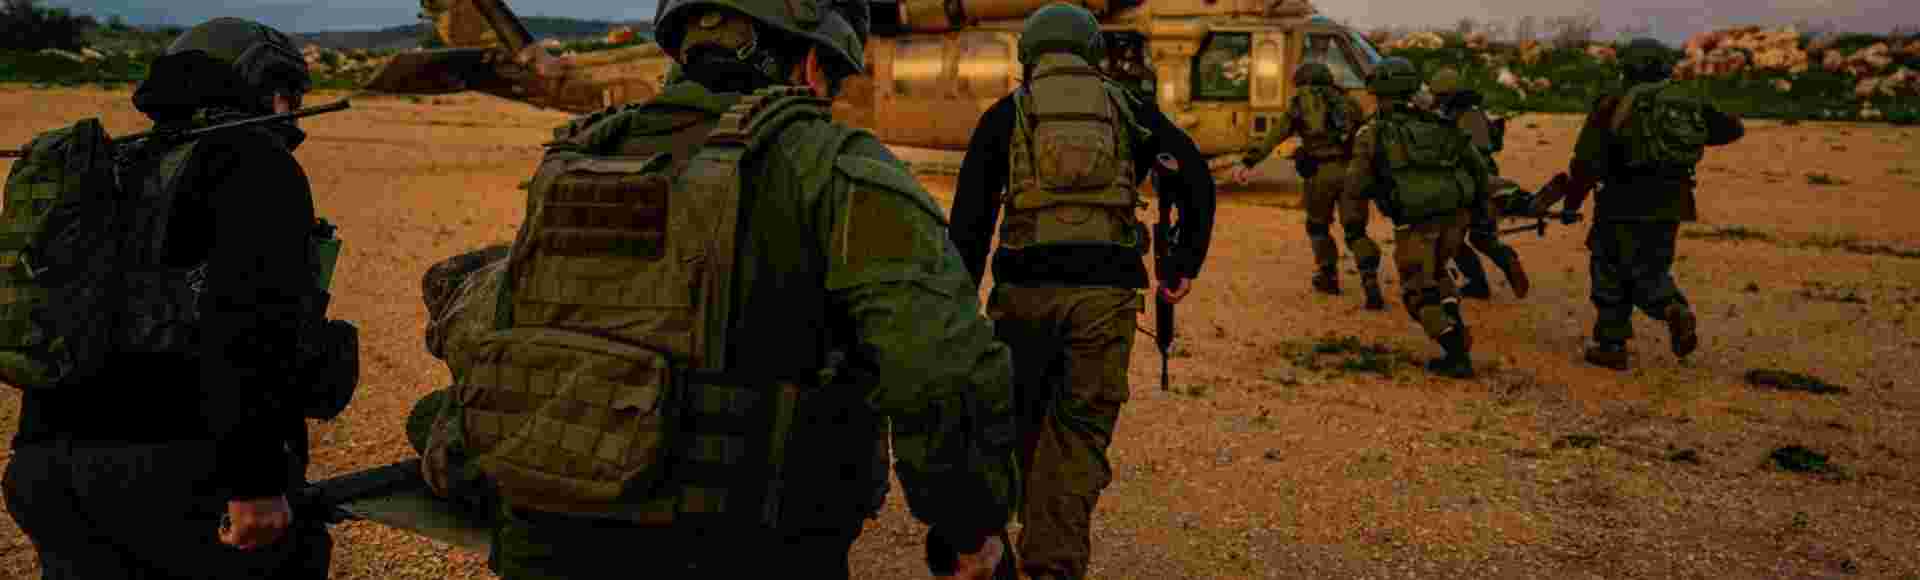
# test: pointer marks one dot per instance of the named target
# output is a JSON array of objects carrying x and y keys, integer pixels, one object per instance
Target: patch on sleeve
[{"x": 891, "y": 230}]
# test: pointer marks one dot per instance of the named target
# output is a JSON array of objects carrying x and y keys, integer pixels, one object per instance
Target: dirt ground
[{"x": 1266, "y": 460}]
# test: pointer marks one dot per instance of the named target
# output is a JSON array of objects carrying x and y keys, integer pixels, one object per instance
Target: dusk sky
[{"x": 1671, "y": 20}]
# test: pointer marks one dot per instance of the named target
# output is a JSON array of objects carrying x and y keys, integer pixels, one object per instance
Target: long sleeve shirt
[{"x": 984, "y": 175}]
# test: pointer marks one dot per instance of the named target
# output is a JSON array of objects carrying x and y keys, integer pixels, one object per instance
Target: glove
[{"x": 1569, "y": 217}]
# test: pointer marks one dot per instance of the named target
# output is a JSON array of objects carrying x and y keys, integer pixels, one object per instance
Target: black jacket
[
  {"x": 244, "y": 207},
  {"x": 983, "y": 180}
]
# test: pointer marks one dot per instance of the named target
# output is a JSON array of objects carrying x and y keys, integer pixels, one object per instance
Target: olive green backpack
[
  {"x": 1661, "y": 132},
  {"x": 1425, "y": 155}
]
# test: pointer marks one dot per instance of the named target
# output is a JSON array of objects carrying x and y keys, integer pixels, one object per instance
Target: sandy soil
[{"x": 1266, "y": 463}]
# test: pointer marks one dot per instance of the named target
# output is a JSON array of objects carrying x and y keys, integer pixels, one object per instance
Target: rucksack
[
  {"x": 604, "y": 389},
  {"x": 1660, "y": 133},
  {"x": 1071, "y": 160},
  {"x": 85, "y": 274},
  {"x": 1323, "y": 113},
  {"x": 1423, "y": 154},
  {"x": 55, "y": 325}
]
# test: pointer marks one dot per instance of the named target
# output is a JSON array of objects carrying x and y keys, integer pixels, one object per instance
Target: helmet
[
  {"x": 1061, "y": 27},
  {"x": 1313, "y": 73},
  {"x": 1394, "y": 76},
  {"x": 838, "y": 27},
  {"x": 1645, "y": 60},
  {"x": 1445, "y": 81},
  {"x": 264, "y": 58}
]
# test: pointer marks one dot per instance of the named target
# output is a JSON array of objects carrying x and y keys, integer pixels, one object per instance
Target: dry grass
[{"x": 1261, "y": 468}]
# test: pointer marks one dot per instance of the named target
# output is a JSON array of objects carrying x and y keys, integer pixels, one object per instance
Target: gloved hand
[{"x": 1569, "y": 217}]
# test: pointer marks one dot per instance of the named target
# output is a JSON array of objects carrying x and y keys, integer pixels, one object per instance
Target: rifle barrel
[
  {"x": 11, "y": 153},
  {"x": 339, "y": 105}
]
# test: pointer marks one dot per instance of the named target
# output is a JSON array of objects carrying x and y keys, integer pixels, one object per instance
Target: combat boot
[
  {"x": 1681, "y": 325},
  {"x": 1327, "y": 281},
  {"x": 1457, "y": 363},
  {"x": 1612, "y": 355},
  {"x": 1370, "y": 282}
]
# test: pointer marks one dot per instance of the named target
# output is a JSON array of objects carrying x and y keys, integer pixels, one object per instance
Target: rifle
[
  {"x": 1533, "y": 205},
  {"x": 176, "y": 136},
  {"x": 1163, "y": 236}
]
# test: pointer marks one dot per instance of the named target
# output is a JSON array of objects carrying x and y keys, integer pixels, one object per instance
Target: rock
[
  {"x": 1478, "y": 41},
  {"x": 1782, "y": 85},
  {"x": 1600, "y": 52}
]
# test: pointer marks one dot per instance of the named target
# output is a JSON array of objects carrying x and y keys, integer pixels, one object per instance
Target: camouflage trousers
[
  {"x": 142, "y": 510},
  {"x": 1420, "y": 254},
  {"x": 1483, "y": 237},
  {"x": 1326, "y": 191},
  {"x": 1071, "y": 348},
  {"x": 1632, "y": 267}
]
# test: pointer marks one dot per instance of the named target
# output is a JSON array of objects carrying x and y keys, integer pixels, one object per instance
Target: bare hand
[
  {"x": 1176, "y": 289},
  {"x": 254, "y": 523},
  {"x": 979, "y": 565},
  {"x": 1241, "y": 174}
]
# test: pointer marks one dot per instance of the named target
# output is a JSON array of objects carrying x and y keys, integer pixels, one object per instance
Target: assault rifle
[
  {"x": 176, "y": 136},
  {"x": 1163, "y": 240}
]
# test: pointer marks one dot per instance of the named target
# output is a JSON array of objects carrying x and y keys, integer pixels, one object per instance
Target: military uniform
[
  {"x": 1483, "y": 229},
  {"x": 1421, "y": 171},
  {"x": 837, "y": 309},
  {"x": 127, "y": 474},
  {"x": 1325, "y": 149},
  {"x": 1646, "y": 178},
  {"x": 1069, "y": 148}
]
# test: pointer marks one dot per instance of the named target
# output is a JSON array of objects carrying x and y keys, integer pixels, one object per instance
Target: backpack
[
  {"x": 1660, "y": 133},
  {"x": 604, "y": 388},
  {"x": 85, "y": 277},
  {"x": 1322, "y": 112},
  {"x": 55, "y": 323},
  {"x": 1423, "y": 155},
  {"x": 1071, "y": 160}
]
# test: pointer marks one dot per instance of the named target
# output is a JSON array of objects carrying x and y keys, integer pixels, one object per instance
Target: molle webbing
[{"x": 1070, "y": 163}]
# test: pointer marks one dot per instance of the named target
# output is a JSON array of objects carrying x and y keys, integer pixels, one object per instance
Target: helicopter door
[{"x": 1270, "y": 75}]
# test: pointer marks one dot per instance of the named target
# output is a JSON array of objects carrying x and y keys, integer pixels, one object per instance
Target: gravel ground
[{"x": 1269, "y": 461}]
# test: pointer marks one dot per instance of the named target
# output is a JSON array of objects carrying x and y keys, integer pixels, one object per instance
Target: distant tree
[
  {"x": 25, "y": 25},
  {"x": 1465, "y": 26},
  {"x": 117, "y": 23},
  {"x": 1628, "y": 33}
]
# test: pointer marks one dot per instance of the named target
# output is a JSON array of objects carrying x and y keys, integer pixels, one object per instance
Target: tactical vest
[
  {"x": 605, "y": 388},
  {"x": 1071, "y": 163},
  {"x": 1321, "y": 114},
  {"x": 1424, "y": 154},
  {"x": 1659, "y": 133}
]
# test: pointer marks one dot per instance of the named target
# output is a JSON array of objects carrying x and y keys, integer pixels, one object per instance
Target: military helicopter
[{"x": 1220, "y": 69}]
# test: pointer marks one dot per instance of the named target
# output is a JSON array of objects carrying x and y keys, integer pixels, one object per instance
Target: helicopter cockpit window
[
  {"x": 918, "y": 65},
  {"x": 1328, "y": 50},
  {"x": 1220, "y": 70}
]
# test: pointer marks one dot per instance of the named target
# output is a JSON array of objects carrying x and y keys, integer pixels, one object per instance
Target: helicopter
[{"x": 1220, "y": 69}]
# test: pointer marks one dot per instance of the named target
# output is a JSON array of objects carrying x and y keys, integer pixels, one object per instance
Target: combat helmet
[
  {"x": 264, "y": 58},
  {"x": 1061, "y": 27},
  {"x": 1313, "y": 74},
  {"x": 1445, "y": 81},
  {"x": 1645, "y": 60},
  {"x": 839, "y": 27},
  {"x": 1394, "y": 77}
]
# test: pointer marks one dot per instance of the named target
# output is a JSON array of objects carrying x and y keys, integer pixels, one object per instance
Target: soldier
[
  {"x": 1463, "y": 106},
  {"x": 1324, "y": 118},
  {"x": 175, "y": 461},
  {"x": 1422, "y": 171},
  {"x": 1068, "y": 148},
  {"x": 715, "y": 298},
  {"x": 1641, "y": 148},
  {"x": 1130, "y": 68}
]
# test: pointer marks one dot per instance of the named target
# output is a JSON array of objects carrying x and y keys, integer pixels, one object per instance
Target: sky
[{"x": 1669, "y": 20}]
